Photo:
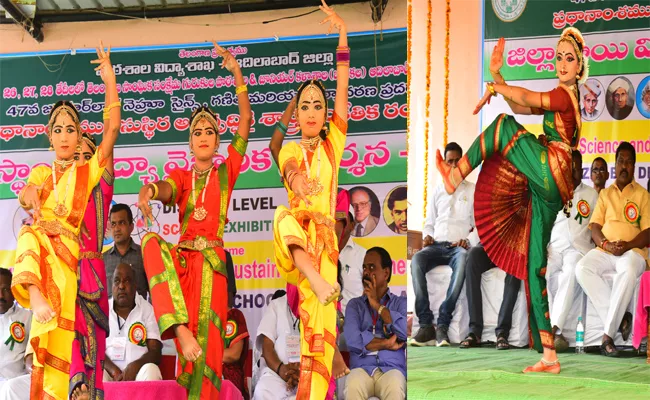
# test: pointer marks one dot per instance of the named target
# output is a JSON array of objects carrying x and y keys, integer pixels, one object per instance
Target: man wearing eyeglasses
[
  {"x": 124, "y": 250},
  {"x": 599, "y": 173},
  {"x": 620, "y": 227},
  {"x": 365, "y": 222}
]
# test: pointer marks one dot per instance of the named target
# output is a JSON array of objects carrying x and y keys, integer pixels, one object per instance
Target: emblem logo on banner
[{"x": 508, "y": 10}]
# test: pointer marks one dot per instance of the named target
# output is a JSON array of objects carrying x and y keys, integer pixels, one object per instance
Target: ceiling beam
[
  {"x": 177, "y": 10},
  {"x": 31, "y": 27},
  {"x": 74, "y": 4},
  {"x": 53, "y": 4}
]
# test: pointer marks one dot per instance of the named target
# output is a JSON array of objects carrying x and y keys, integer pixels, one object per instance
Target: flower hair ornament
[{"x": 573, "y": 36}]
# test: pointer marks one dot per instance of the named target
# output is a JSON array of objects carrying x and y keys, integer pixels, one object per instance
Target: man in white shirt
[
  {"x": 365, "y": 222},
  {"x": 449, "y": 221},
  {"x": 18, "y": 388},
  {"x": 133, "y": 347},
  {"x": 15, "y": 323},
  {"x": 278, "y": 339},
  {"x": 570, "y": 241}
]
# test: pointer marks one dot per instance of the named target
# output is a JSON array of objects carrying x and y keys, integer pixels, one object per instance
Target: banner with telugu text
[
  {"x": 615, "y": 100},
  {"x": 159, "y": 88}
]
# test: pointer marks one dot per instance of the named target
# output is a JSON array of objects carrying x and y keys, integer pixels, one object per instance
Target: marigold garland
[
  {"x": 427, "y": 104},
  {"x": 446, "y": 101}
]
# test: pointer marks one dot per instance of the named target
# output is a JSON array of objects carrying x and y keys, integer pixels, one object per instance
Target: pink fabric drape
[{"x": 641, "y": 317}]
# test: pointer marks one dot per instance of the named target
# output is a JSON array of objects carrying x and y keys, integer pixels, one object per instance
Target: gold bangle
[
  {"x": 112, "y": 106},
  {"x": 155, "y": 191},
  {"x": 490, "y": 87},
  {"x": 241, "y": 89}
]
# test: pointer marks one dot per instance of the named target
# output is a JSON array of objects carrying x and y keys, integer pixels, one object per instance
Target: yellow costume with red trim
[
  {"x": 312, "y": 229},
  {"x": 46, "y": 256}
]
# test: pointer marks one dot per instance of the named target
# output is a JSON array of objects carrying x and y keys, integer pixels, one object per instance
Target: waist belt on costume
[
  {"x": 89, "y": 255},
  {"x": 200, "y": 243},
  {"x": 56, "y": 228}
]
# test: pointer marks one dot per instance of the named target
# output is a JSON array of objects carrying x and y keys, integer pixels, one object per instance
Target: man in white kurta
[
  {"x": 15, "y": 322},
  {"x": 570, "y": 241},
  {"x": 446, "y": 239},
  {"x": 133, "y": 340},
  {"x": 18, "y": 388},
  {"x": 281, "y": 327}
]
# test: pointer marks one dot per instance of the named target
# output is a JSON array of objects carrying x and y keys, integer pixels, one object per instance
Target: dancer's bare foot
[
  {"x": 450, "y": 175},
  {"x": 552, "y": 367},
  {"x": 80, "y": 393},
  {"x": 325, "y": 292},
  {"x": 339, "y": 369},
  {"x": 43, "y": 313},
  {"x": 189, "y": 346}
]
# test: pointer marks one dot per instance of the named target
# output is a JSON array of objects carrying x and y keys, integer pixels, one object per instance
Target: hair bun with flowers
[{"x": 573, "y": 36}]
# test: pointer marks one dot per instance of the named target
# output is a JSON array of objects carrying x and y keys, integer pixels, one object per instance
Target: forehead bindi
[{"x": 566, "y": 49}]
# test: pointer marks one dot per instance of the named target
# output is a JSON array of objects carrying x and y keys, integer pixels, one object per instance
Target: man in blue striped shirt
[{"x": 375, "y": 332}]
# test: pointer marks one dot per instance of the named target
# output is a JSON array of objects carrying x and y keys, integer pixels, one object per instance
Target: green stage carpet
[{"x": 485, "y": 373}]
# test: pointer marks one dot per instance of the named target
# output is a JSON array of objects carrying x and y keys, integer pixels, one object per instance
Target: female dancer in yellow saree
[
  {"x": 306, "y": 248},
  {"x": 46, "y": 256}
]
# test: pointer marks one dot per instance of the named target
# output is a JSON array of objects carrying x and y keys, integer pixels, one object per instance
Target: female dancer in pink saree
[{"x": 91, "y": 308}]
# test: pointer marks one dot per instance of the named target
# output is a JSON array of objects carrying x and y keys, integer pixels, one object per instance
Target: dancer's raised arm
[
  {"x": 245, "y": 114},
  {"x": 496, "y": 62},
  {"x": 112, "y": 105},
  {"x": 342, "y": 61}
]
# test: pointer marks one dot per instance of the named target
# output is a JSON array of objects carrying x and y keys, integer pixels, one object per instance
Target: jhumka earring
[
  {"x": 78, "y": 148},
  {"x": 51, "y": 147}
]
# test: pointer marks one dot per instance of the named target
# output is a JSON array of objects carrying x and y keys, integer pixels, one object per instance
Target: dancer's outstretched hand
[
  {"x": 144, "y": 197},
  {"x": 229, "y": 61},
  {"x": 485, "y": 100},
  {"x": 32, "y": 200},
  {"x": 105, "y": 67},
  {"x": 496, "y": 61},
  {"x": 300, "y": 188},
  {"x": 334, "y": 19}
]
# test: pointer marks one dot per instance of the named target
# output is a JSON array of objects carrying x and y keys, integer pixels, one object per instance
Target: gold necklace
[
  {"x": 314, "y": 184},
  {"x": 60, "y": 210},
  {"x": 200, "y": 212}
]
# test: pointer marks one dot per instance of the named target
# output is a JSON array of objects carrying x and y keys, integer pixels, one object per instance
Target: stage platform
[{"x": 486, "y": 373}]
